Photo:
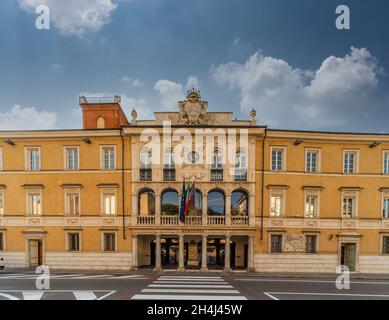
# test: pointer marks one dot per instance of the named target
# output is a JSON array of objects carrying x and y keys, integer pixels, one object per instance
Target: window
[
  {"x": 2, "y": 240},
  {"x": 1, "y": 203},
  {"x": 311, "y": 206},
  {"x": 72, "y": 203},
  {"x": 348, "y": 210},
  {"x": 34, "y": 203},
  {"x": 108, "y": 158},
  {"x": 350, "y": 162},
  {"x": 72, "y": 161},
  {"x": 277, "y": 159},
  {"x": 310, "y": 244},
  {"x": 146, "y": 159},
  {"x": 216, "y": 203},
  {"x": 386, "y": 162},
  {"x": 109, "y": 241},
  {"x": 73, "y": 241},
  {"x": 385, "y": 208},
  {"x": 276, "y": 205},
  {"x": 239, "y": 203},
  {"x": 276, "y": 243},
  {"x": 385, "y": 245},
  {"x": 109, "y": 203},
  {"x": 146, "y": 203},
  {"x": 217, "y": 160},
  {"x": 169, "y": 202},
  {"x": 312, "y": 161},
  {"x": 33, "y": 159},
  {"x": 1, "y": 159}
]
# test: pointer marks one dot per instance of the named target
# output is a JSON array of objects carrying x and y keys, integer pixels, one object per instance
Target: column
[
  {"x": 158, "y": 253},
  {"x": 251, "y": 210},
  {"x": 181, "y": 266},
  {"x": 134, "y": 215},
  {"x": 250, "y": 254},
  {"x": 227, "y": 259},
  {"x": 228, "y": 209},
  {"x": 205, "y": 209},
  {"x": 157, "y": 209},
  {"x": 204, "y": 266},
  {"x": 134, "y": 252}
]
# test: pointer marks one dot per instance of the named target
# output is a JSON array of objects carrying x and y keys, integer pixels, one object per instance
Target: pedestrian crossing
[
  {"x": 189, "y": 288},
  {"x": 71, "y": 276}
]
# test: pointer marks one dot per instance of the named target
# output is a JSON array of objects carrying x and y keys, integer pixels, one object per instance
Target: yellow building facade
[{"x": 108, "y": 196}]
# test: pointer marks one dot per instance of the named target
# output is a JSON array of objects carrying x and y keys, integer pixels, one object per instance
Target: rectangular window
[
  {"x": 34, "y": 204},
  {"x": 109, "y": 242},
  {"x": 312, "y": 160},
  {"x": 350, "y": 162},
  {"x": 1, "y": 159},
  {"x": 311, "y": 206},
  {"x": 385, "y": 245},
  {"x": 73, "y": 203},
  {"x": 108, "y": 158},
  {"x": 2, "y": 239},
  {"x": 276, "y": 243},
  {"x": 109, "y": 203},
  {"x": 276, "y": 205},
  {"x": 1, "y": 203},
  {"x": 386, "y": 162},
  {"x": 72, "y": 162},
  {"x": 277, "y": 159},
  {"x": 73, "y": 241},
  {"x": 385, "y": 208},
  {"x": 310, "y": 244},
  {"x": 348, "y": 210},
  {"x": 33, "y": 159}
]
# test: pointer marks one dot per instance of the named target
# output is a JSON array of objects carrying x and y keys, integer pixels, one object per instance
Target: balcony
[
  {"x": 169, "y": 174},
  {"x": 145, "y": 175},
  {"x": 193, "y": 220},
  {"x": 240, "y": 175},
  {"x": 146, "y": 220},
  {"x": 169, "y": 220},
  {"x": 216, "y": 220},
  {"x": 240, "y": 220},
  {"x": 216, "y": 174}
]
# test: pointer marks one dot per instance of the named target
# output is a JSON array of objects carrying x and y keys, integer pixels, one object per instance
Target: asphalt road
[{"x": 193, "y": 286}]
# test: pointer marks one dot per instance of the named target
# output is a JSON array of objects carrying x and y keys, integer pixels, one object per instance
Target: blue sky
[{"x": 283, "y": 57}]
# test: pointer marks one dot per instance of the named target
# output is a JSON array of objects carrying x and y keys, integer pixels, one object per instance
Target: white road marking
[
  {"x": 270, "y": 296},
  {"x": 366, "y": 295},
  {"x": 129, "y": 277},
  {"x": 311, "y": 281},
  {"x": 93, "y": 277},
  {"x": 184, "y": 297},
  {"x": 191, "y": 291},
  {"x": 84, "y": 295},
  {"x": 190, "y": 278},
  {"x": 32, "y": 295},
  {"x": 222, "y": 286},
  {"x": 188, "y": 282}
]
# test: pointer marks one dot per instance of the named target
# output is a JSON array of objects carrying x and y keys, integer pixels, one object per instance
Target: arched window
[
  {"x": 146, "y": 202},
  {"x": 169, "y": 159},
  {"x": 196, "y": 207},
  {"x": 100, "y": 123},
  {"x": 169, "y": 202},
  {"x": 145, "y": 158},
  {"x": 241, "y": 160},
  {"x": 239, "y": 203},
  {"x": 216, "y": 203},
  {"x": 217, "y": 160}
]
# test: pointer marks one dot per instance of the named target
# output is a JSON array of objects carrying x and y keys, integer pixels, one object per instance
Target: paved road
[{"x": 191, "y": 286}]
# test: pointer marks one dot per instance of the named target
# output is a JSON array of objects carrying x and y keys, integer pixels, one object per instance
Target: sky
[{"x": 285, "y": 58}]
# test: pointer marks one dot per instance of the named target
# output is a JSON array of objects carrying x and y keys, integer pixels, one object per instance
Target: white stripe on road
[
  {"x": 184, "y": 297},
  {"x": 130, "y": 277},
  {"x": 311, "y": 281},
  {"x": 66, "y": 276},
  {"x": 270, "y": 296},
  {"x": 32, "y": 295},
  {"x": 366, "y": 295},
  {"x": 225, "y": 286},
  {"x": 190, "y": 278},
  {"x": 93, "y": 277},
  {"x": 233, "y": 291},
  {"x": 189, "y": 282},
  {"x": 84, "y": 295}
]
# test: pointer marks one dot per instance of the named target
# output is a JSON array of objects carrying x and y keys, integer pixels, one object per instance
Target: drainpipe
[
  {"x": 123, "y": 182},
  {"x": 263, "y": 180}
]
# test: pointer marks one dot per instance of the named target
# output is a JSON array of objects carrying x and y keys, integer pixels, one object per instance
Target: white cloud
[
  {"x": 193, "y": 82},
  {"x": 56, "y": 66},
  {"x": 19, "y": 118},
  {"x": 74, "y": 17},
  {"x": 132, "y": 81},
  {"x": 170, "y": 92},
  {"x": 285, "y": 96}
]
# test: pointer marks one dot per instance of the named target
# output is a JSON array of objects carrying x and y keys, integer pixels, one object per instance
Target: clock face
[{"x": 193, "y": 157}]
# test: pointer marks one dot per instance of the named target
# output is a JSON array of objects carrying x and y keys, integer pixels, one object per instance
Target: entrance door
[
  {"x": 152, "y": 253},
  {"x": 35, "y": 253},
  {"x": 348, "y": 255}
]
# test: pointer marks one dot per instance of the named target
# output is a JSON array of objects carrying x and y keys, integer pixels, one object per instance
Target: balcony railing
[
  {"x": 169, "y": 174},
  {"x": 145, "y": 174},
  {"x": 216, "y": 221},
  {"x": 146, "y": 220},
  {"x": 193, "y": 220},
  {"x": 240, "y": 220},
  {"x": 169, "y": 220},
  {"x": 216, "y": 174},
  {"x": 240, "y": 175}
]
